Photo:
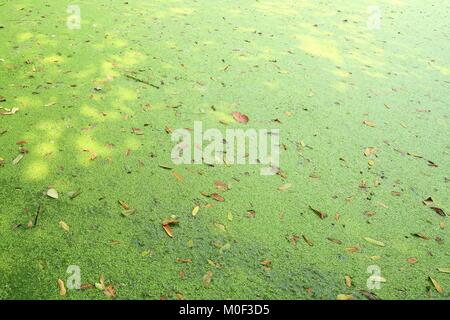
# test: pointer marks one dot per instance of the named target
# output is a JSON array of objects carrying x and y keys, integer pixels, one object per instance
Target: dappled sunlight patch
[
  {"x": 223, "y": 117},
  {"x": 273, "y": 85},
  {"x": 88, "y": 150},
  {"x": 124, "y": 94},
  {"x": 443, "y": 70},
  {"x": 43, "y": 39},
  {"x": 171, "y": 44},
  {"x": 45, "y": 149},
  {"x": 86, "y": 72},
  {"x": 92, "y": 113},
  {"x": 182, "y": 11},
  {"x": 119, "y": 43},
  {"x": 325, "y": 49},
  {"x": 130, "y": 58},
  {"x": 245, "y": 29},
  {"x": 24, "y": 102},
  {"x": 53, "y": 59},
  {"x": 36, "y": 170},
  {"x": 235, "y": 11},
  {"x": 281, "y": 9},
  {"x": 52, "y": 128},
  {"x": 25, "y": 36},
  {"x": 166, "y": 65},
  {"x": 210, "y": 43},
  {"x": 365, "y": 61},
  {"x": 158, "y": 106},
  {"x": 341, "y": 74},
  {"x": 132, "y": 143},
  {"x": 108, "y": 69},
  {"x": 374, "y": 74},
  {"x": 341, "y": 86}
]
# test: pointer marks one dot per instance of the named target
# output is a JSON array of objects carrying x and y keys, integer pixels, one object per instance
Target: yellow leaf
[
  {"x": 52, "y": 193},
  {"x": 369, "y": 123},
  {"x": 369, "y": 151},
  {"x": 195, "y": 211},
  {"x": 207, "y": 278},
  {"x": 344, "y": 297},
  {"x": 444, "y": 270},
  {"x": 168, "y": 230},
  {"x": 437, "y": 285},
  {"x": 348, "y": 281},
  {"x": 62, "y": 288},
  {"x": 64, "y": 226},
  {"x": 284, "y": 186},
  {"x": 177, "y": 176},
  {"x": 375, "y": 242}
]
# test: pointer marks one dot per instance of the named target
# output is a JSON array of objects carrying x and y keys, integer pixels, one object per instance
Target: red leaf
[{"x": 239, "y": 117}]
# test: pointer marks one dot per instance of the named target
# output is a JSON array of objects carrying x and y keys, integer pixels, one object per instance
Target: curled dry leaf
[
  {"x": 110, "y": 291},
  {"x": 168, "y": 230},
  {"x": 179, "y": 296},
  {"x": 421, "y": 236},
  {"x": 369, "y": 123},
  {"x": 284, "y": 187},
  {"x": 444, "y": 270},
  {"x": 293, "y": 239},
  {"x": 239, "y": 117},
  {"x": 344, "y": 297},
  {"x": 322, "y": 215},
  {"x": 17, "y": 159},
  {"x": 266, "y": 263},
  {"x": 429, "y": 202},
  {"x": 220, "y": 226},
  {"x": 437, "y": 285},
  {"x": 251, "y": 213},
  {"x": 73, "y": 194},
  {"x": 64, "y": 225},
  {"x": 369, "y": 295},
  {"x": 337, "y": 241},
  {"x": 220, "y": 185},
  {"x": 124, "y": 205},
  {"x": 177, "y": 176},
  {"x": 348, "y": 281},
  {"x": 207, "y": 278},
  {"x": 217, "y": 197},
  {"x": 171, "y": 220},
  {"x": 439, "y": 211},
  {"x": 213, "y": 263},
  {"x": 52, "y": 193},
  {"x": 374, "y": 242},
  {"x": 101, "y": 284},
  {"x": 86, "y": 286},
  {"x": 195, "y": 211},
  {"x": 411, "y": 260},
  {"x": 62, "y": 288},
  {"x": 129, "y": 212},
  {"x": 307, "y": 240},
  {"x": 369, "y": 151},
  {"x": 9, "y": 112}
]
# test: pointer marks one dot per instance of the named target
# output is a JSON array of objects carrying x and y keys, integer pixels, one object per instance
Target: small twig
[
  {"x": 38, "y": 212},
  {"x": 141, "y": 81}
]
